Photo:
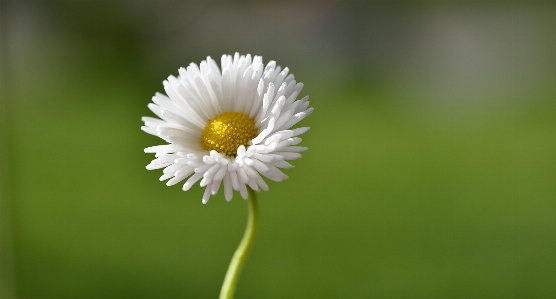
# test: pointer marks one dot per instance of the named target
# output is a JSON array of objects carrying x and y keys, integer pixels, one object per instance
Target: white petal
[
  {"x": 166, "y": 176},
  {"x": 282, "y": 164},
  {"x": 257, "y": 104},
  {"x": 243, "y": 190},
  {"x": 264, "y": 157},
  {"x": 178, "y": 119},
  {"x": 260, "y": 166},
  {"x": 191, "y": 181},
  {"x": 250, "y": 151},
  {"x": 208, "y": 160},
  {"x": 150, "y": 130},
  {"x": 242, "y": 175},
  {"x": 295, "y": 149},
  {"x": 175, "y": 180},
  {"x": 296, "y": 118},
  {"x": 221, "y": 173},
  {"x": 173, "y": 168},
  {"x": 235, "y": 180},
  {"x": 151, "y": 121},
  {"x": 201, "y": 169},
  {"x": 283, "y": 119},
  {"x": 253, "y": 184},
  {"x": 289, "y": 155},
  {"x": 153, "y": 166},
  {"x": 154, "y": 149},
  {"x": 211, "y": 172},
  {"x": 232, "y": 166},
  {"x": 274, "y": 174},
  {"x": 206, "y": 195},
  {"x": 241, "y": 151},
  {"x": 215, "y": 186},
  {"x": 185, "y": 172},
  {"x": 228, "y": 191},
  {"x": 261, "y": 182}
]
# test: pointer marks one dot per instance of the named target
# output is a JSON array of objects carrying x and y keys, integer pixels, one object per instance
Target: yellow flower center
[{"x": 227, "y": 131}]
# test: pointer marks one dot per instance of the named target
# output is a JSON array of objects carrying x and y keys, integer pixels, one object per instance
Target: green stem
[{"x": 242, "y": 251}]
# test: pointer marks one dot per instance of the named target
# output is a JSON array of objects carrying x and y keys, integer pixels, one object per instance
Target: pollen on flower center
[{"x": 227, "y": 131}]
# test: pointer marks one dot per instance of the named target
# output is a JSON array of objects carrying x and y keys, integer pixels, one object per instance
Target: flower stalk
[{"x": 242, "y": 251}]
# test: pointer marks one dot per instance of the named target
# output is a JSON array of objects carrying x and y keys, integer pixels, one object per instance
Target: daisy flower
[{"x": 229, "y": 126}]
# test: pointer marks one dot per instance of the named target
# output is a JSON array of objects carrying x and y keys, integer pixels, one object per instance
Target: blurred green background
[{"x": 430, "y": 173}]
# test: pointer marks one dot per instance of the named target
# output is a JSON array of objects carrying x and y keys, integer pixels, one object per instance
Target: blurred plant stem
[{"x": 242, "y": 251}]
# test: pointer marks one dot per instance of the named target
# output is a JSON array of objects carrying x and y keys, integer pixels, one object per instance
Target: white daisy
[{"x": 227, "y": 127}]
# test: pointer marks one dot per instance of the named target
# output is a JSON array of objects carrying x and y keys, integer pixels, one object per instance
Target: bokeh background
[{"x": 431, "y": 170}]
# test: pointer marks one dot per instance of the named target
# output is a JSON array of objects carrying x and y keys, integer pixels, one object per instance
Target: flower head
[{"x": 227, "y": 127}]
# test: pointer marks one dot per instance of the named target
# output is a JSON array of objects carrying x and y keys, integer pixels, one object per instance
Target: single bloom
[{"x": 229, "y": 127}]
